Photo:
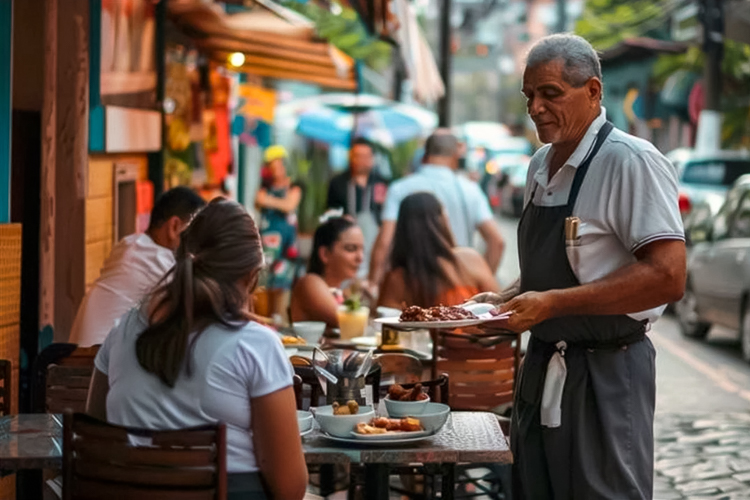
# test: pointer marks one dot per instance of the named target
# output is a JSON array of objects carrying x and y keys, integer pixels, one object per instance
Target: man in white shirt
[
  {"x": 134, "y": 267},
  {"x": 463, "y": 200},
  {"x": 601, "y": 249}
]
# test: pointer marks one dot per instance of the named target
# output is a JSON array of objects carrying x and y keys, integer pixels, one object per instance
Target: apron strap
[
  {"x": 584, "y": 167},
  {"x": 351, "y": 198}
]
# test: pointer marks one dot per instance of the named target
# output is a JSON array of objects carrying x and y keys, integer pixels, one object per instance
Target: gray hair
[
  {"x": 580, "y": 60},
  {"x": 441, "y": 143}
]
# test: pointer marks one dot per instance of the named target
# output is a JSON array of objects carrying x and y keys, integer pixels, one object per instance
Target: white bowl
[
  {"x": 434, "y": 416},
  {"x": 311, "y": 331},
  {"x": 304, "y": 420},
  {"x": 401, "y": 409},
  {"x": 341, "y": 425}
]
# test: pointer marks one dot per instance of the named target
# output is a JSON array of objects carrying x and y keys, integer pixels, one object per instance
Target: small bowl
[
  {"x": 434, "y": 417},
  {"x": 400, "y": 409},
  {"x": 304, "y": 420},
  {"x": 341, "y": 425},
  {"x": 311, "y": 331}
]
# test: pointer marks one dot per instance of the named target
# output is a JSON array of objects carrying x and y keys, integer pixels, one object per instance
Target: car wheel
[
  {"x": 745, "y": 332},
  {"x": 687, "y": 316}
]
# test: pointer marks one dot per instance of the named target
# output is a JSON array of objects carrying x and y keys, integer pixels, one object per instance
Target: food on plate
[
  {"x": 290, "y": 340},
  {"x": 351, "y": 408},
  {"x": 437, "y": 313},
  {"x": 398, "y": 393},
  {"x": 382, "y": 425}
]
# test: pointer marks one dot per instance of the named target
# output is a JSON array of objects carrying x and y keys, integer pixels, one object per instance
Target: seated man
[{"x": 134, "y": 267}]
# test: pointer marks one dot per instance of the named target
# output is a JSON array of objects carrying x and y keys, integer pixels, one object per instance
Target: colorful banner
[{"x": 257, "y": 102}]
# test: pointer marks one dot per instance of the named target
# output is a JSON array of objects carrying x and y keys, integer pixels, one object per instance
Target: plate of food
[
  {"x": 440, "y": 317},
  {"x": 381, "y": 430},
  {"x": 292, "y": 341}
]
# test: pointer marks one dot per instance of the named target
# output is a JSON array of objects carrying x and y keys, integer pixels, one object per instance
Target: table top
[
  {"x": 30, "y": 441},
  {"x": 467, "y": 437},
  {"x": 34, "y": 441}
]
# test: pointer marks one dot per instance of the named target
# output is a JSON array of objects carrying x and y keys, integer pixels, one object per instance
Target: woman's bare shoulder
[{"x": 467, "y": 255}]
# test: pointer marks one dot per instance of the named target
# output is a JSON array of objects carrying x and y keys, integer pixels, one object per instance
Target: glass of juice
[{"x": 353, "y": 323}]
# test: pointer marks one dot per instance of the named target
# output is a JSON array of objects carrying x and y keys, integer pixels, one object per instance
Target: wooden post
[{"x": 65, "y": 163}]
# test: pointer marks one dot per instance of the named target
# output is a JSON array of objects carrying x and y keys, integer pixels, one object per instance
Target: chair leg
[{"x": 449, "y": 481}]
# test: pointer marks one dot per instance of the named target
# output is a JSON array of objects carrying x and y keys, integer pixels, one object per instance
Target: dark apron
[{"x": 603, "y": 448}]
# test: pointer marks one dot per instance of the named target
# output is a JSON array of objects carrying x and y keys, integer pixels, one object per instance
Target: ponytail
[{"x": 220, "y": 248}]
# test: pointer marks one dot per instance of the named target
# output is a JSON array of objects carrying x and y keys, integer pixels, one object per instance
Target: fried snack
[
  {"x": 290, "y": 340},
  {"x": 351, "y": 408},
  {"x": 398, "y": 393},
  {"x": 363, "y": 428},
  {"x": 408, "y": 424}
]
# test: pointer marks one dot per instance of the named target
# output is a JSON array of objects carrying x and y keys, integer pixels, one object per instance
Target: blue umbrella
[{"x": 379, "y": 120}]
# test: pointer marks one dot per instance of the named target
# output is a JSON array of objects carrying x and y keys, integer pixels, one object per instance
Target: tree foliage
[
  {"x": 345, "y": 31},
  {"x": 605, "y": 23}
]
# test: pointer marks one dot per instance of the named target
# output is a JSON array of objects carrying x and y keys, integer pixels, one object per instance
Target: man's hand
[
  {"x": 493, "y": 298},
  {"x": 527, "y": 310}
]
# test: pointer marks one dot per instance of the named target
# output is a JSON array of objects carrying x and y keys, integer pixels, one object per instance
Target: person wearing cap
[
  {"x": 278, "y": 200},
  {"x": 602, "y": 251}
]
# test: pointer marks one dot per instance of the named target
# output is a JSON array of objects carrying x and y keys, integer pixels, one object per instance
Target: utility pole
[
  {"x": 562, "y": 16},
  {"x": 446, "y": 56},
  {"x": 708, "y": 136}
]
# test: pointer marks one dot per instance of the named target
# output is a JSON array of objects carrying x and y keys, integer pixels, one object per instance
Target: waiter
[
  {"x": 360, "y": 191},
  {"x": 601, "y": 249}
]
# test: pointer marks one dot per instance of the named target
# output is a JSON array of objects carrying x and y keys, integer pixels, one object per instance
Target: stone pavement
[{"x": 702, "y": 456}]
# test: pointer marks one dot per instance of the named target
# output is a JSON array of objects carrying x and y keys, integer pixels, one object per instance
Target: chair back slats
[
  {"x": 126, "y": 454},
  {"x": 62, "y": 374},
  {"x": 94, "y": 490},
  {"x": 121, "y": 463},
  {"x": 5, "y": 390},
  {"x": 482, "y": 370}
]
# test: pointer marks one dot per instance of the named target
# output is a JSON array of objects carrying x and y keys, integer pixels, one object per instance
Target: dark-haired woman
[
  {"x": 337, "y": 254},
  {"x": 189, "y": 355},
  {"x": 426, "y": 267}
]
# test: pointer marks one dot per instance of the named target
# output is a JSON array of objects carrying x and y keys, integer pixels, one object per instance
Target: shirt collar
[
  {"x": 436, "y": 168},
  {"x": 588, "y": 140}
]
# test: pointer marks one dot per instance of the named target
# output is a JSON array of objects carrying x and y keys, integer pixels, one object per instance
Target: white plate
[
  {"x": 290, "y": 351},
  {"x": 392, "y": 436},
  {"x": 381, "y": 442},
  {"x": 459, "y": 323}
]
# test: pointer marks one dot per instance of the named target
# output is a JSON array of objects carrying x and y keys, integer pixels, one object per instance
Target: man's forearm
[
  {"x": 637, "y": 287},
  {"x": 493, "y": 254},
  {"x": 511, "y": 290},
  {"x": 377, "y": 257}
]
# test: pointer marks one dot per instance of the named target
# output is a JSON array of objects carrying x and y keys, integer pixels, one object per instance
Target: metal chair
[{"x": 102, "y": 460}]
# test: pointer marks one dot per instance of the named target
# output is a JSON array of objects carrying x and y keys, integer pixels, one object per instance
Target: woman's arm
[
  {"x": 393, "y": 291},
  {"x": 278, "y": 447},
  {"x": 312, "y": 295},
  {"x": 96, "y": 404},
  {"x": 288, "y": 203}
]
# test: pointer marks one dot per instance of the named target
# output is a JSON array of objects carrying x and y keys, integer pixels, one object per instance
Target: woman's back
[{"x": 228, "y": 369}]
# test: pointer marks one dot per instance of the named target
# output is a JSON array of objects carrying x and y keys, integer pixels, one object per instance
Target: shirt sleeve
[
  {"x": 260, "y": 361},
  {"x": 644, "y": 207},
  {"x": 101, "y": 361},
  {"x": 392, "y": 203},
  {"x": 334, "y": 194}
]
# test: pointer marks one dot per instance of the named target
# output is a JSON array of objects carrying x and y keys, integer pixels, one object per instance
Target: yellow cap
[{"x": 274, "y": 153}]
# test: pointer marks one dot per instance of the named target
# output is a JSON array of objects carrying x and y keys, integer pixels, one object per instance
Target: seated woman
[
  {"x": 189, "y": 355},
  {"x": 337, "y": 253},
  {"x": 426, "y": 268}
]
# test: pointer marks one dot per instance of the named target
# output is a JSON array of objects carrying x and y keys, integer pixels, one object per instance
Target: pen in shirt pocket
[{"x": 572, "y": 227}]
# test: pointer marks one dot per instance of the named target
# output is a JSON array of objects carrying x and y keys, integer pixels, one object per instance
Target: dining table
[{"x": 32, "y": 442}]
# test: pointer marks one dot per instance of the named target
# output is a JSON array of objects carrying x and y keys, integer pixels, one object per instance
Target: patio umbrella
[{"x": 335, "y": 118}]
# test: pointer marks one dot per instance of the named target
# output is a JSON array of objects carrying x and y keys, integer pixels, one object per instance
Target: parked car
[
  {"x": 718, "y": 284},
  {"x": 706, "y": 177}
]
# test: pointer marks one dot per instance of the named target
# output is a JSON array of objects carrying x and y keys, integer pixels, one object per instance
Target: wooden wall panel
[
  {"x": 10, "y": 301},
  {"x": 98, "y": 220}
]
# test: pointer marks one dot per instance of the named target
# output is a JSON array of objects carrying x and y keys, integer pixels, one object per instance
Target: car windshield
[{"x": 715, "y": 172}]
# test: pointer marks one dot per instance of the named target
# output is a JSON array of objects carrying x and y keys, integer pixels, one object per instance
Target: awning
[{"x": 277, "y": 42}]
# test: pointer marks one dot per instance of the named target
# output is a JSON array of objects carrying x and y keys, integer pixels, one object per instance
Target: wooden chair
[
  {"x": 101, "y": 460},
  {"x": 6, "y": 389},
  {"x": 61, "y": 377},
  {"x": 482, "y": 367}
]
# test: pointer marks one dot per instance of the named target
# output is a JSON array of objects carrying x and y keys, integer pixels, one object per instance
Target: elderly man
[{"x": 601, "y": 249}]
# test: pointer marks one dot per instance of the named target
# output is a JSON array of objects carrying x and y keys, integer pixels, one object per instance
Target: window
[
  {"x": 714, "y": 172},
  {"x": 724, "y": 217},
  {"x": 741, "y": 224}
]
